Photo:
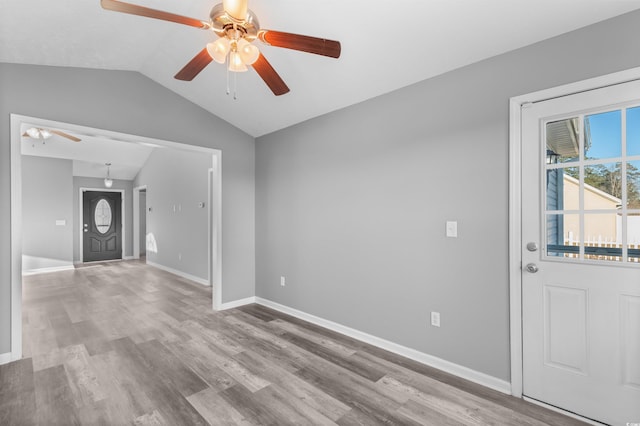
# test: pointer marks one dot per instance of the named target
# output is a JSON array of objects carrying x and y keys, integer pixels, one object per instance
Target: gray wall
[
  {"x": 98, "y": 183},
  {"x": 46, "y": 198},
  {"x": 176, "y": 182},
  {"x": 351, "y": 206},
  {"x": 128, "y": 102}
]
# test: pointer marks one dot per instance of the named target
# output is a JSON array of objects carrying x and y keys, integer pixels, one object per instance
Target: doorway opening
[
  {"x": 140, "y": 223},
  {"x": 213, "y": 208}
]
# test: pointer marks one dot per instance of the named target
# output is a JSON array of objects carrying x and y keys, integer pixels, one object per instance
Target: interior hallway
[{"x": 126, "y": 343}]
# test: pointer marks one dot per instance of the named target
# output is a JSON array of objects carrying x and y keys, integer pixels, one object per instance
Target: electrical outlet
[
  {"x": 435, "y": 319},
  {"x": 282, "y": 281}
]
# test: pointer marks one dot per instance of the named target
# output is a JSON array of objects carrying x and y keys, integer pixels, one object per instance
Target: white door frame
[
  {"x": 136, "y": 220},
  {"x": 82, "y": 190},
  {"x": 215, "y": 234},
  {"x": 515, "y": 201}
]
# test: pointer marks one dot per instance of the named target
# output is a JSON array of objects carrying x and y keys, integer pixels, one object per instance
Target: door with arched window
[{"x": 102, "y": 226}]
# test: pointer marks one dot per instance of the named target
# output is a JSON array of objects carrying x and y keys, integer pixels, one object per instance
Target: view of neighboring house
[{"x": 599, "y": 228}]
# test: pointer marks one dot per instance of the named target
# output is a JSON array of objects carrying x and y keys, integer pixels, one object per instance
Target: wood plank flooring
[{"x": 124, "y": 343}]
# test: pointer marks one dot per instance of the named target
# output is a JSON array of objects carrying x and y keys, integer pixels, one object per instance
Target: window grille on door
[{"x": 592, "y": 181}]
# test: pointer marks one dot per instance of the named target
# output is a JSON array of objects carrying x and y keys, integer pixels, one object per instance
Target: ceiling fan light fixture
[
  {"x": 234, "y": 23},
  {"x": 248, "y": 52},
  {"x": 37, "y": 133},
  {"x": 218, "y": 49},
  {"x": 235, "y": 62},
  {"x": 236, "y": 9}
]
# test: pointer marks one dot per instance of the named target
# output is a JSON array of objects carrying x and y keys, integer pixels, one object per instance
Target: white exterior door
[{"x": 581, "y": 253}]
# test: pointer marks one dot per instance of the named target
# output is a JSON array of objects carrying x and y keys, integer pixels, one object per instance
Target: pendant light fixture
[{"x": 108, "y": 182}]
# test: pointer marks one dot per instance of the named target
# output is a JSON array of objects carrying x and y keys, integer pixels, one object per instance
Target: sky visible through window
[{"x": 606, "y": 134}]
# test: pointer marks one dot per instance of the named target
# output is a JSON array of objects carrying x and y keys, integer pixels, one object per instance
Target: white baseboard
[
  {"x": 236, "y": 303},
  {"x": 128, "y": 257},
  {"x": 182, "y": 274},
  {"x": 48, "y": 270},
  {"x": 5, "y": 358},
  {"x": 432, "y": 361}
]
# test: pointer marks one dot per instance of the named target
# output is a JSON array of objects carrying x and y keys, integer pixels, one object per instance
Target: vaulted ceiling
[{"x": 385, "y": 46}]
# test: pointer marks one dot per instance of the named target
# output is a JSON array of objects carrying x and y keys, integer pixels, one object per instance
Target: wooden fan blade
[
  {"x": 270, "y": 76},
  {"x": 319, "y": 46},
  {"x": 193, "y": 68},
  {"x": 132, "y": 9},
  {"x": 65, "y": 135}
]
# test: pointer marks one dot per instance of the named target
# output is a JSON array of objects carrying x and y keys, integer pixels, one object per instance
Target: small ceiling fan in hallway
[
  {"x": 237, "y": 27},
  {"x": 44, "y": 134}
]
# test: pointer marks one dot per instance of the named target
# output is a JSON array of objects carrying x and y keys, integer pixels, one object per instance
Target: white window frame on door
[{"x": 516, "y": 104}]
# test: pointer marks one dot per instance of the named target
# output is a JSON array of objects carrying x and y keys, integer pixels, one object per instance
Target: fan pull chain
[
  {"x": 228, "y": 65},
  {"x": 235, "y": 86}
]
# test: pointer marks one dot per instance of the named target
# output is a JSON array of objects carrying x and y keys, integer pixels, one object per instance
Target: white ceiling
[
  {"x": 91, "y": 153},
  {"x": 385, "y": 45}
]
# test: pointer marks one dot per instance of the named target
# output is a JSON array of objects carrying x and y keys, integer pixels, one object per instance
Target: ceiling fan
[
  {"x": 44, "y": 134},
  {"x": 237, "y": 27}
]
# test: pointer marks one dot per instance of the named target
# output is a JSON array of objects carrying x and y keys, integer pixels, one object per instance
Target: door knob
[{"x": 532, "y": 267}]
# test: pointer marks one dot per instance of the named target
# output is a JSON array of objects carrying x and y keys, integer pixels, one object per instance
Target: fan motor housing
[{"x": 222, "y": 23}]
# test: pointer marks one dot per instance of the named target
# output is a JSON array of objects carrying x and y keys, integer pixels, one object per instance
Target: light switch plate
[
  {"x": 452, "y": 229},
  {"x": 61, "y": 222},
  {"x": 435, "y": 319}
]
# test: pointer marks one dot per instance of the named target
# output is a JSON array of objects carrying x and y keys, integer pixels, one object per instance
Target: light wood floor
[{"x": 125, "y": 343}]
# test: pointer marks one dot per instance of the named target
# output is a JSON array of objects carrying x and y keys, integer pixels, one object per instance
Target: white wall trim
[
  {"x": 237, "y": 303},
  {"x": 441, "y": 364},
  {"x": 432, "y": 361},
  {"x": 16, "y": 238},
  {"x": 515, "y": 202},
  {"x": 48, "y": 270},
  {"x": 136, "y": 220},
  {"x": 215, "y": 230},
  {"x": 201, "y": 281},
  {"x": 6, "y": 358}
]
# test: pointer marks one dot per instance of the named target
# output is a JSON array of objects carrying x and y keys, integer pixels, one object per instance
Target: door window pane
[
  {"x": 102, "y": 216},
  {"x": 563, "y": 189},
  {"x": 584, "y": 213},
  {"x": 563, "y": 141},
  {"x": 633, "y": 236},
  {"x": 603, "y": 135},
  {"x": 563, "y": 235},
  {"x": 633, "y": 131},
  {"x": 602, "y": 186},
  {"x": 633, "y": 184},
  {"x": 602, "y": 236}
]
